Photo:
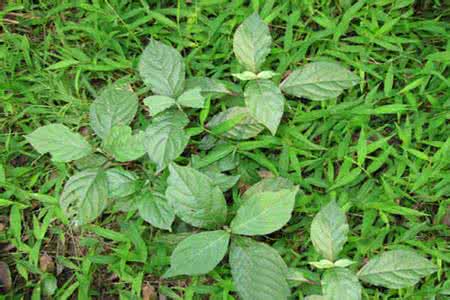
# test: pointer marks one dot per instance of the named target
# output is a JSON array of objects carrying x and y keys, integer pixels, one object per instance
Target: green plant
[
  {"x": 194, "y": 194},
  {"x": 392, "y": 269}
]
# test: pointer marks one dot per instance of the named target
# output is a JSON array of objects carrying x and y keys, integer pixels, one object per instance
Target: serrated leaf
[
  {"x": 258, "y": 271},
  {"x": 329, "y": 231},
  {"x": 123, "y": 145},
  {"x": 85, "y": 196},
  {"x": 165, "y": 140},
  {"x": 114, "y": 106},
  {"x": 121, "y": 183},
  {"x": 339, "y": 284},
  {"x": 191, "y": 98},
  {"x": 246, "y": 126},
  {"x": 207, "y": 85},
  {"x": 265, "y": 103},
  {"x": 63, "y": 144},
  {"x": 319, "y": 81},
  {"x": 162, "y": 69},
  {"x": 396, "y": 269},
  {"x": 194, "y": 198},
  {"x": 155, "y": 210},
  {"x": 157, "y": 104},
  {"x": 251, "y": 42},
  {"x": 175, "y": 117},
  {"x": 264, "y": 212},
  {"x": 198, "y": 254},
  {"x": 274, "y": 184}
]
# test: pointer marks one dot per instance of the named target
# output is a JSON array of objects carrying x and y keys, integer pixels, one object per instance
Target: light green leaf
[
  {"x": 198, "y": 254},
  {"x": 162, "y": 69},
  {"x": 319, "y": 81},
  {"x": 123, "y": 145},
  {"x": 322, "y": 264},
  {"x": 63, "y": 144},
  {"x": 207, "y": 85},
  {"x": 258, "y": 271},
  {"x": 114, "y": 106},
  {"x": 192, "y": 98},
  {"x": 274, "y": 184},
  {"x": 244, "y": 128},
  {"x": 194, "y": 198},
  {"x": 264, "y": 212},
  {"x": 85, "y": 196},
  {"x": 155, "y": 210},
  {"x": 339, "y": 284},
  {"x": 396, "y": 269},
  {"x": 224, "y": 182},
  {"x": 266, "y": 74},
  {"x": 165, "y": 140},
  {"x": 121, "y": 183},
  {"x": 329, "y": 231},
  {"x": 157, "y": 104},
  {"x": 251, "y": 42},
  {"x": 265, "y": 103},
  {"x": 343, "y": 263},
  {"x": 315, "y": 297},
  {"x": 246, "y": 75}
]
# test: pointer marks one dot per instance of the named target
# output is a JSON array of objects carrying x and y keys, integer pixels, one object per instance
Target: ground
[{"x": 381, "y": 149}]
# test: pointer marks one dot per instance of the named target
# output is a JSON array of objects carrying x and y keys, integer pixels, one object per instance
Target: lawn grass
[{"x": 381, "y": 150}]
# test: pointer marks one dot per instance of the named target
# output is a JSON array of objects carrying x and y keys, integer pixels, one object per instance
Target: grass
[{"x": 382, "y": 149}]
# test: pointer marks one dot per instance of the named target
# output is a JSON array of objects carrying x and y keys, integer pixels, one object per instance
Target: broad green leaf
[
  {"x": 114, "y": 106},
  {"x": 162, "y": 69},
  {"x": 224, "y": 182},
  {"x": 157, "y": 103},
  {"x": 121, "y": 183},
  {"x": 319, "y": 81},
  {"x": 396, "y": 269},
  {"x": 123, "y": 145},
  {"x": 198, "y": 254},
  {"x": 165, "y": 140},
  {"x": 175, "y": 117},
  {"x": 192, "y": 98},
  {"x": 155, "y": 210},
  {"x": 85, "y": 196},
  {"x": 246, "y": 126},
  {"x": 329, "y": 231},
  {"x": 274, "y": 184},
  {"x": 207, "y": 85},
  {"x": 63, "y": 144},
  {"x": 251, "y": 42},
  {"x": 264, "y": 212},
  {"x": 258, "y": 271},
  {"x": 194, "y": 198},
  {"x": 339, "y": 284},
  {"x": 265, "y": 103}
]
